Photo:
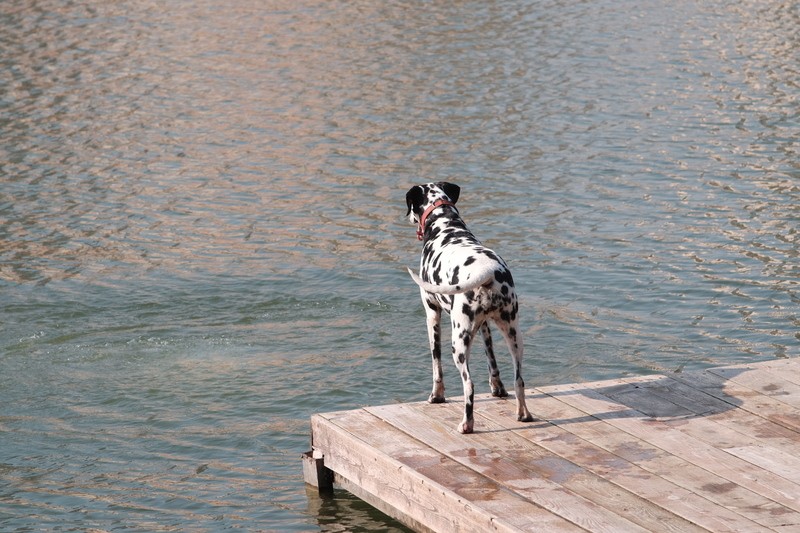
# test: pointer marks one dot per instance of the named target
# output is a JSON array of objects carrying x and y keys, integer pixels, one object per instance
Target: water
[{"x": 202, "y": 238}]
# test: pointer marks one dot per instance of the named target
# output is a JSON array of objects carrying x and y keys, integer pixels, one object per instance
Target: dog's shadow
[{"x": 657, "y": 398}]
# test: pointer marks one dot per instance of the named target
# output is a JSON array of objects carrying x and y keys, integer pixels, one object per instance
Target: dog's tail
[{"x": 469, "y": 285}]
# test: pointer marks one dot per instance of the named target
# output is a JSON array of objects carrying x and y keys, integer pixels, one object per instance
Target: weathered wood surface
[{"x": 717, "y": 450}]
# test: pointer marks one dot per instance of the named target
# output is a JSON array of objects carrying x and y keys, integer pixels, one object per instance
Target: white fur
[{"x": 452, "y": 289}]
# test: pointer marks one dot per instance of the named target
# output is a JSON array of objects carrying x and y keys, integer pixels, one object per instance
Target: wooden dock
[{"x": 717, "y": 450}]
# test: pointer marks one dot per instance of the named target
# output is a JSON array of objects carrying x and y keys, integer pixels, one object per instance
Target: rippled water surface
[{"x": 202, "y": 238}]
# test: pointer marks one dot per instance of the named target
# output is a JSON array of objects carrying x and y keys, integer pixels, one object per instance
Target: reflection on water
[
  {"x": 202, "y": 242},
  {"x": 342, "y": 511}
]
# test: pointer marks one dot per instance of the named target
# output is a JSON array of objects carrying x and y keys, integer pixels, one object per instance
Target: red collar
[{"x": 424, "y": 217}]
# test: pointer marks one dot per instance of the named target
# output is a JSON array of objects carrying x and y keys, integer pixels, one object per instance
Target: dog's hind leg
[
  {"x": 434, "y": 315},
  {"x": 462, "y": 342},
  {"x": 514, "y": 341},
  {"x": 496, "y": 385}
]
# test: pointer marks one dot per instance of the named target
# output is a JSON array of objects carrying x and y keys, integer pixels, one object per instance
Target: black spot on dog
[
  {"x": 426, "y": 254},
  {"x": 469, "y": 260},
  {"x": 490, "y": 254},
  {"x": 504, "y": 276},
  {"x": 450, "y": 189},
  {"x": 435, "y": 276},
  {"x": 414, "y": 198},
  {"x": 454, "y": 277},
  {"x": 467, "y": 310}
]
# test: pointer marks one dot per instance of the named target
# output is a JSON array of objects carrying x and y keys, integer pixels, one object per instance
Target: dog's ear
[
  {"x": 451, "y": 190},
  {"x": 414, "y": 197}
]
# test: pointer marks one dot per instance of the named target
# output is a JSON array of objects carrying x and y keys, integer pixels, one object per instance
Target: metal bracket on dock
[{"x": 315, "y": 472}]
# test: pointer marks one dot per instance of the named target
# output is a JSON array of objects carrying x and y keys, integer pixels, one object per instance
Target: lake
[{"x": 203, "y": 241}]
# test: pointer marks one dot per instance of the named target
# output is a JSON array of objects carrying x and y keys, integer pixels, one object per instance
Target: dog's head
[{"x": 419, "y": 197}]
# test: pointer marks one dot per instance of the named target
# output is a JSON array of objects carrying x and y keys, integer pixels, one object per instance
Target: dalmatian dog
[{"x": 470, "y": 282}]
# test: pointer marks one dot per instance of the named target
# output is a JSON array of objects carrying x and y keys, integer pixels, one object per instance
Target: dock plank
[
  {"x": 778, "y": 501},
  {"x": 716, "y": 423},
  {"x": 529, "y": 471},
  {"x": 714, "y": 450},
  {"x": 420, "y": 482},
  {"x": 744, "y": 398},
  {"x": 633, "y": 464},
  {"x": 740, "y": 419},
  {"x": 762, "y": 381},
  {"x": 786, "y": 368},
  {"x": 572, "y": 471},
  {"x": 667, "y": 459}
]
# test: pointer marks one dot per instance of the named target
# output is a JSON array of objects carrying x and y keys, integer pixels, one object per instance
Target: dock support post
[{"x": 315, "y": 472}]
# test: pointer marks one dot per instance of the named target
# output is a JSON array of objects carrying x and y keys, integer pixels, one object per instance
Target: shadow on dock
[
  {"x": 668, "y": 397},
  {"x": 695, "y": 394}
]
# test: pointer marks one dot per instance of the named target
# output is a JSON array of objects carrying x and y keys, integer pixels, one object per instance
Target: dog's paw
[
  {"x": 465, "y": 427},
  {"x": 433, "y": 398},
  {"x": 499, "y": 392},
  {"x": 525, "y": 418}
]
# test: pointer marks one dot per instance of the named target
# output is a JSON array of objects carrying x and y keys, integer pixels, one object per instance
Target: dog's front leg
[{"x": 434, "y": 315}]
